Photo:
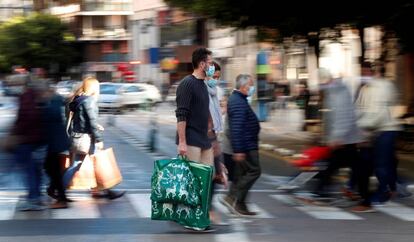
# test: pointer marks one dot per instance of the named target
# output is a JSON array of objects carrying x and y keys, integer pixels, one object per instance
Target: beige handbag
[{"x": 80, "y": 142}]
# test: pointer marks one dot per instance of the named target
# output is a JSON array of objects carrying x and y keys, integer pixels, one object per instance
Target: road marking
[
  {"x": 319, "y": 212},
  {"x": 397, "y": 210},
  {"x": 7, "y": 208},
  {"x": 80, "y": 209},
  {"x": 239, "y": 233},
  {"x": 141, "y": 204},
  {"x": 261, "y": 213}
]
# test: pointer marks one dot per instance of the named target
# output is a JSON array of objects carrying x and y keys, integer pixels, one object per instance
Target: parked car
[
  {"x": 14, "y": 84},
  {"x": 67, "y": 88},
  {"x": 121, "y": 96}
]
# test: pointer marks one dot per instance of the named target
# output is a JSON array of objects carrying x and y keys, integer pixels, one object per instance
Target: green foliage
[
  {"x": 35, "y": 41},
  {"x": 298, "y": 18}
]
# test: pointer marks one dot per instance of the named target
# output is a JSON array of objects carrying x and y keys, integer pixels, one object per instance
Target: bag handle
[
  {"x": 69, "y": 123},
  {"x": 183, "y": 157}
]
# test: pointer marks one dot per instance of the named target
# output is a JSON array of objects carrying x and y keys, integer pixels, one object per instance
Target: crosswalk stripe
[
  {"x": 7, "y": 208},
  {"x": 238, "y": 233},
  {"x": 320, "y": 212},
  {"x": 217, "y": 205},
  {"x": 80, "y": 209},
  {"x": 397, "y": 210},
  {"x": 141, "y": 204},
  {"x": 261, "y": 213}
]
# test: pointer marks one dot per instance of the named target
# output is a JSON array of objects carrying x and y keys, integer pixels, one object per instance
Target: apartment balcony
[
  {"x": 108, "y": 8},
  {"x": 109, "y": 33}
]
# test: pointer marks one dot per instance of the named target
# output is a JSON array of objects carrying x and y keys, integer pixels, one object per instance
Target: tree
[
  {"x": 299, "y": 18},
  {"x": 39, "y": 40}
]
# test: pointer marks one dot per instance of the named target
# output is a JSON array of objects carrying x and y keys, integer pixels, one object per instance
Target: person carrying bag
[{"x": 86, "y": 136}]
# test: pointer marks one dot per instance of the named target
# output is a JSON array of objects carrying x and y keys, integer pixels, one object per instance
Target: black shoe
[
  {"x": 242, "y": 209},
  {"x": 68, "y": 200},
  {"x": 110, "y": 194},
  {"x": 51, "y": 193},
  {"x": 58, "y": 205}
]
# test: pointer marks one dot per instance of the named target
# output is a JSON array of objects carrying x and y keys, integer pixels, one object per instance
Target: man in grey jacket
[{"x": 340, "y": 128}]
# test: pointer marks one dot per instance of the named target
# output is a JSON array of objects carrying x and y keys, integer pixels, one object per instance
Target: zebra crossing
[{"x": 138, "y": 205}]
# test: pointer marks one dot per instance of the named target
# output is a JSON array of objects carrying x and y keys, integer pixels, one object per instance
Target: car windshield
[{"x": 109, "y": 89}]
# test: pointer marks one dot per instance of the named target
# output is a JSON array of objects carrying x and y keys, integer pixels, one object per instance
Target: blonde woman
[{"x": 84, "y": 130}]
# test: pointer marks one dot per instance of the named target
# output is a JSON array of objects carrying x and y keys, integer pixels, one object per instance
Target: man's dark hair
[
  {"x": 216, "y": 66},
  {"x": 200, "y": 55}
]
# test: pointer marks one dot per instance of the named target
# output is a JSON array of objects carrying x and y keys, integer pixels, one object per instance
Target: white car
[
  {"x": 67, "y": 88},
  {"x": 120, "y": 96}
]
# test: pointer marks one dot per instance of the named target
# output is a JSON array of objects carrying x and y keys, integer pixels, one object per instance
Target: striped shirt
[{"x": 193, "y": 107}]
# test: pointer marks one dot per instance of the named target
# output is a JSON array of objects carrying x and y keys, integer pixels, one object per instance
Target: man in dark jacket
[
  {"x": 30, "y": 128},
  {"x": 244, "y": 131},
  {"x": 58, "y": 142}
]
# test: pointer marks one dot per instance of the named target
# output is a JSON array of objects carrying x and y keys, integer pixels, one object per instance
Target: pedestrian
[
  {"x": 193, "y": 111},
  {"x": 340, "y": 129},
  {"x": 29, "y": 127},
  {"x": 58, "y": 143},
  {"x": 86, "y": 132},
  {"x": 214, "y": 130},
  {"x": 244, "y": 131},
  {"x": 375, "y": 102}
]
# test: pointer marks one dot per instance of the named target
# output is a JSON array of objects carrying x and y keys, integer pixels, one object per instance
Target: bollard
[{"x": 153, "y": 134}]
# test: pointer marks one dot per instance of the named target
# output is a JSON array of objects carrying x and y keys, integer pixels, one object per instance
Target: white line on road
[
  {"x": 81, "y": 209},
  {"x": 239, "y": 233},
  {"x": 397, "y": 210},
  {"x": 319, "y": 212},
  {"x": 7, "y": 208},
  {"x": 141, "y": 204},
  {"x": 261, "y": 213}
]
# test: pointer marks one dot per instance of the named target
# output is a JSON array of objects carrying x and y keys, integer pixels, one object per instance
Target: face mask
[
  {"x": 212, "y": 82},
  {"x": 210, "y": 70},
  {"x": 252, "y": 89}
]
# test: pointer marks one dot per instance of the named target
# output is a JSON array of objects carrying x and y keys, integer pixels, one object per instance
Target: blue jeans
[
  {"x": 31, "y": 157},
  {"x": 385, "y": 161}
]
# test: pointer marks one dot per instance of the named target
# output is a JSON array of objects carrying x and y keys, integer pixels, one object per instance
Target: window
[
  {"x": 109, "y": 89},
  {"x": 133, "y": 89}
]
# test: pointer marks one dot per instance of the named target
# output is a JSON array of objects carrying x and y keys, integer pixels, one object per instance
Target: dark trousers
[
  {"x": 53, "y": 168},
  {"x": 363, "y": 172},
  {"x": 245, "y": 175},
  {"x": 344, "y": 156},
  {"x": 229, "y": 163},
  {"x": 385, "y": 161},
  {"x": 31, "y": 156}
]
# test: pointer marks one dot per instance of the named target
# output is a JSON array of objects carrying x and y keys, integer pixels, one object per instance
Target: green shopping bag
[
  {"x": 193, "y": 217},
  {"x": 174, "y": 182}
]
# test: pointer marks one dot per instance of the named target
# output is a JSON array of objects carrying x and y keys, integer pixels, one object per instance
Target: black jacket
[
  {"x": 243, "y": 122},
  {"x": 56, "y": 134},
  {"x": 85, "y": 117}
]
